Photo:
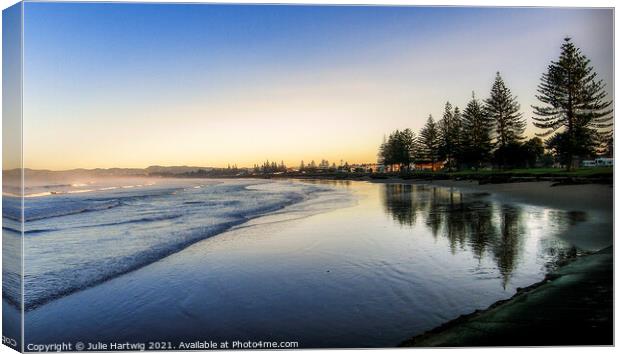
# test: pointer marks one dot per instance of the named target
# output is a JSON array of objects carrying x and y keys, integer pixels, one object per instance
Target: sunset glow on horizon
[{"x": 132, "y": 85}]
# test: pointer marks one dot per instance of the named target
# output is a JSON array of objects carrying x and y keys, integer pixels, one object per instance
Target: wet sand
[
  {"x": 597, "y": 200},
  {"x": 572, "y": 306},
  {"x": 569, "y": 197}
]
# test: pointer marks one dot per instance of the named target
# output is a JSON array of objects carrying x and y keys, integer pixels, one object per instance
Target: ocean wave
[
  {"x": 66, "y": 205},
  {"x": 83, "y": 240},
  {"x": 68, "y": 281},
  {"x": 46, "y": 212},
  {"x": 77, "y": 191},
  {"x": 12, "y": 208},
  {"x": 50, "y": 186},
  {"x": 211, "y": 203},
  {"x": 11, "y": 266},
  {"x": 10, "y": 229},
  {"x": 63, "y": 189},
  {"x": 145, "y": 219}
]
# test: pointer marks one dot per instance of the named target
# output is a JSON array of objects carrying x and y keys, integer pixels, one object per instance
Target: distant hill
[
  {"x": 104, "y": 172},
  {"x": 174, "y": 169}
]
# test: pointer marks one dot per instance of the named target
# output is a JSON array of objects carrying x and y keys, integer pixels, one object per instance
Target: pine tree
[
  {"x": 502, "y": 109},
  {"x": 607, "y": 144},
  {"x": 407, "y": 141},
  {"x": 382, "y": 158},
  {"x": 398, "y": 149},
  {"x": 449, "y": 131},
  {"x": 429, "y": 141},
  {"x": 458, "y": 134},
  {"x": 574, "y": 105},
  {"x": 475, "y": 134}
]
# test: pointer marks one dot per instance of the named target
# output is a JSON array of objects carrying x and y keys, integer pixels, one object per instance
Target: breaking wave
[{"x": 75, "y": 241}]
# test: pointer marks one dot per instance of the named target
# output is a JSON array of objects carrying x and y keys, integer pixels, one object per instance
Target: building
[
  {"x": 430, "y": 166},
  {"x": 588, "y": 163},
  {"x": 604, "y": 161},
  {"x": 598, "y": 162}
]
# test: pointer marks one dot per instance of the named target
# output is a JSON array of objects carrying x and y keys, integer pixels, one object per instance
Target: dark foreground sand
[{"x": 572, "y": 306}]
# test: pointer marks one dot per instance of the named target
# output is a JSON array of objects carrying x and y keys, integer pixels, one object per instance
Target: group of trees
[
  {"x": 574, "y": 114},
  {"x": 399, "y": 149},
  {"x": 312, "y": 166},
  {"x": 269, "y": 167},
  {"x": 324, "y": 166},
  {"x": 486, "y": 131}
]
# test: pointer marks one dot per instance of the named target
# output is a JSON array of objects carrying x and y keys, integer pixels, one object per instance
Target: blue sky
[{"x": 131, "y": 85}]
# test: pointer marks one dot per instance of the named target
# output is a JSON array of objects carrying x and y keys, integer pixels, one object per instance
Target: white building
[
  {"x": 604, "y": 161},
  {"x": 598, "y": 162},
  {"x": 588, "y": 163}
]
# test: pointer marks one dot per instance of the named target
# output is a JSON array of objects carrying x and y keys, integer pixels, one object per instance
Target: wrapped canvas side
[{"x": 12, "y": 178}]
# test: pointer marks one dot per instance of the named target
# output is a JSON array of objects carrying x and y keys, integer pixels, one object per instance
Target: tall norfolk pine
[
  {"x": 574, "y": 105},
  {"x": 476, "y": 135},
  {"x": 429, "y": 141},
  {"x": 502, "y": 110},
  {"x": 450, "y": 133}
]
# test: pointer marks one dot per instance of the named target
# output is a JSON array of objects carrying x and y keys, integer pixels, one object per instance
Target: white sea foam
[{"x": 86, "y": 236}]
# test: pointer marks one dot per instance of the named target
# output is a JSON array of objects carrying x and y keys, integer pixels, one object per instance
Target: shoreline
[
  {"x": 552, "y": 311},
  {"x": 594, "y": 197},
  {"x": 586, "y": 204},
  {"x": 561, "y": 309}
]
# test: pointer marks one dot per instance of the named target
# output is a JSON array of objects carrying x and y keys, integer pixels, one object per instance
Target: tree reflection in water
[{"x": 468, "y": 220}]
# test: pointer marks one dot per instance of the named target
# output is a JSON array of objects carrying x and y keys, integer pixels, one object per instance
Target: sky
[
  {"x": 11, "y": 88},
  {"x": 133, "y": 85}
]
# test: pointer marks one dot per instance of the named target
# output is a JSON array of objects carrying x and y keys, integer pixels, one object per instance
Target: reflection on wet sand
[{"x": 469, "y": 221}]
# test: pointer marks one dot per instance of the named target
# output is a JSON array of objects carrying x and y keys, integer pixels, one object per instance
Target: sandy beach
[
  {"x": 595, "y": 199},
  {"x": 571, "y": 197}
]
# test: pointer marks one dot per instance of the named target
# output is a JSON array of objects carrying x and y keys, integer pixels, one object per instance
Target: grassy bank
[
  {"x": 596, "y": 174},
  {"x": 551, "y": 174},
  {"x": 580, "y": 172},
  {"x": 581, "y": 175}
]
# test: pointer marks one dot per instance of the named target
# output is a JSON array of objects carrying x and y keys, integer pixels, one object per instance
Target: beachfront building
[
  {"x": 598, "y": 162},
  {"x": 604, "y": 162},
  {"x": 588, "y": 163},
  {"x": 429, "y": 166},
  {"x": 365, "y": 168},
  {"x": 380, "y": 168}
]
